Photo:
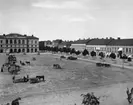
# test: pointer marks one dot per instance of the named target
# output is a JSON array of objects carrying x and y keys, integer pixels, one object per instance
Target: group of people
[
  {"x": 129, "y": 95},
  {"x": 14, "y": 102},
  {"x": 90, "y": 99}
]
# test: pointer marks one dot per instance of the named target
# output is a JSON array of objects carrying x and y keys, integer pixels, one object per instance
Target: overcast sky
[{"x": 67, "y": 19}]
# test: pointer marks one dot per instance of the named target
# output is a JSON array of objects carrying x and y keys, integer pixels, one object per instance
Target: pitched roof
[
  {"x": 84, "y": 41},
  {"x": 121, "y": 42},
  {"x": 99, "y": 42},
  {"x": 1, "y": 37},
  {"x": 32, "y": 37},
  {"x": 65, "y": 43},
  {"x": 19, "y": 35},
  {"x": 14, "y": 34}
]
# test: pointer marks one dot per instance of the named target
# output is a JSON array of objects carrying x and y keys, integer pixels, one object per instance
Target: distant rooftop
[
  {"x": 17, "y": 35},
  {"x": 99, "y": 41}
]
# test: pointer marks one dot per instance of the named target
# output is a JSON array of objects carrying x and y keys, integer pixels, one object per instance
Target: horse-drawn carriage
[
  {"x": 20, "y": 80},
  {"x": 72, "y": 58},
  {"x": 62, "y": 57},
  {"x": 14, "y": 69},
  {"x": 32, "y": 80},
  {"x": 37, "y": 79},
  {"x": 103, "y": 64}
]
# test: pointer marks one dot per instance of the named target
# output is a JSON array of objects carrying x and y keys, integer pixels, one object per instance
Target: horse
[
  {"x": 27, "y": 62},
  {"x": 40, "y": 77},
  {"x": 16, "y": 101},
  {"x": 56, "y": 66},
  {"x": 22, "y": 63}
]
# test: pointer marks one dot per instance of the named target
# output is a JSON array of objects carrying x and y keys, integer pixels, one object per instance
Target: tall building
[{"x": 17, "y": 43}]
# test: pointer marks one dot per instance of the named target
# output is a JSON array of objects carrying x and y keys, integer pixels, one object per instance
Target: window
[
  {"x": 126, "y": 50},
  {"x": 1, "y": 45},
  {"x": 15, "y": 41},
  {"x": 23, "y": 41},
  {"x": 19, "y": 41},
  {"x": 23, "y": 50},
  {"x": 11, "y": 41},
  {"x": 28, "y": 50},
  {"x": 35, "y": 50},
  {"x": 6, "y": 41},
  {"x": 129, "y": 50},
  {"x": 31, "y": 50},
  {"x": 1, "y": 41}
]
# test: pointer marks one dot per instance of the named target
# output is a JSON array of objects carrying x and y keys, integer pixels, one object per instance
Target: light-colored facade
[
  {"x": 125, "y": 49},
  {"x": 17, "y": 43},
  {"x": 79, "y": 47}
]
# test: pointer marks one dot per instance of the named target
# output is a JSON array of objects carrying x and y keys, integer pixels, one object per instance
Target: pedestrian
[{"x": 13, "y": 78}]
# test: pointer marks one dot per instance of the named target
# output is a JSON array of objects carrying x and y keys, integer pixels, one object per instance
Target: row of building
[
  {"x": 105, "y": 45},
  {"x": 17, "y": 43}
]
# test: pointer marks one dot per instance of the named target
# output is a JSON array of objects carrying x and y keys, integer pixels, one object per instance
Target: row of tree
[
  {"x": 77, "y": 52},
  {"x": 85, "y": 52}
]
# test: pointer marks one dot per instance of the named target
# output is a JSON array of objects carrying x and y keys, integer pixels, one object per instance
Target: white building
[{"x": 18, "y": 43}]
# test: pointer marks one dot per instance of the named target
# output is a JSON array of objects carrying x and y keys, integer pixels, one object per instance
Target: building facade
[
  {"x": 79, "y": 44},
  {"x": 98, "y": 44},
  {"x": 16, "y": 43}
]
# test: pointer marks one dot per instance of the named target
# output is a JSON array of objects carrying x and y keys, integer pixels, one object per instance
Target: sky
[{"x": 67, "y": 19}]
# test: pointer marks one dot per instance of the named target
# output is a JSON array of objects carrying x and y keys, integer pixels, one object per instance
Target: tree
[
  {"x": 72, "y": 51},
  {"x": 124, "y": 57},
  {"x": 120, "y": 54},
  {"x": 85, "y": 52},
  {"x": 93, "y": 53},
  {"x": 112, "y": 55},
  {"x": 77, "y": 52},
  {"x": 129, "y": 59},
  {"x": 102, "y": 55}
]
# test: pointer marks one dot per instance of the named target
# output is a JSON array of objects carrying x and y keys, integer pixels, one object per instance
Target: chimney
[{"x": 118, "y": 38}]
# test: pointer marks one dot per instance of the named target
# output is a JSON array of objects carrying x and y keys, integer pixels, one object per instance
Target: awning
[
  {"x": 130, "y": 56},
  {"x": 97, "y": 48},
  {"x": 120, "y": 49}
]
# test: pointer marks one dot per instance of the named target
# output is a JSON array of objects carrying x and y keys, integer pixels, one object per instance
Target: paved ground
[{"x": 63, "y": 87}]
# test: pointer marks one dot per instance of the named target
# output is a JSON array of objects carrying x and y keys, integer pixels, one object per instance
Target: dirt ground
[{"x": 64, "y": 86}]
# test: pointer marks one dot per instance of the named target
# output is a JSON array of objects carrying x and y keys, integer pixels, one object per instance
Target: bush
[
  {"x": 85, "y": 52},
  {"x": 112, "y": 55},
  {"x": 77, "y": 52},
  {"x": 93, "y": 53},
  {"x": 102, "y": 55},
  {"x": 129, "y": 59}
]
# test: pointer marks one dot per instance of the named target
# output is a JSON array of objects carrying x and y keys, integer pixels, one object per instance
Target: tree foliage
[
  {"x": 101, "y": 54},
  {"x": 85, "y": 52},
  {"x": 77, "y": 52},
  {"x": 112, "y": 55},
  {"x": 93, "y": 53}
]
